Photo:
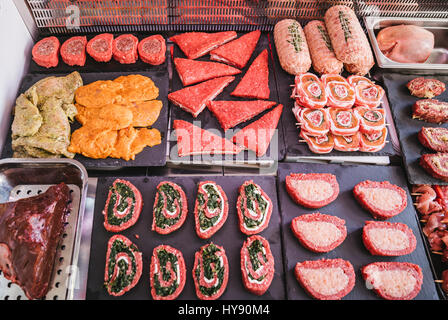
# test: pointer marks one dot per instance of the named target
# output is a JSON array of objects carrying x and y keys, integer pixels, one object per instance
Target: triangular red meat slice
[
  {"x": 193, "y": 140},
  {"x": 257, "y": 136},
  {"x": 193, "y": 99},
  {"x": 237, "y": 52},
  {"x": 197, "y": 44},
  {"x": 192, "y": 71},
  {"x": 231, "y": 113},
  {"x": 255, "y": 83}
]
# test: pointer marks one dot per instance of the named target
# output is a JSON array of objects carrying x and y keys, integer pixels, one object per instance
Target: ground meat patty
[
  {"x": 168, "y": 273},
  {"x": 425, "y": 88},
  {"x": 393, "y": 280},
  {"x": 382, "y": 199},
  {"x": 45, "y": 52},
  {"x": 384, "y": 238},
  {"x": 254, "y": 208},
  {"x": 436, "y": 165},
  {"x": 319, "y": 232},
  {"x": 312, "y": 190},
  {"x": 257, "y": 265},
  {"x": 434, "y": 138},
  {"x": 123, "y": 206},
  {"x": 430, "y": 110},
  {"x": 124, "y": 49},
  {"x": 326, "y": 279},
  {"x": 170, "y": 208},
  {"x": 100, "y": 47},
  {"x": 73, "y": 51},
  {"x": 152, "y": 49},
  {"x": 123, "y": 265},
  {"x": 211, "y": 209},
  {"x": 210, "y": 272}
]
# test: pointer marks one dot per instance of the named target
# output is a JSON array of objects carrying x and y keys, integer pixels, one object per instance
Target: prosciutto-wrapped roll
[
  {"x": 320, "y": 144},
  {"x": 314, "y": 121},
  {"x": 371, "y": 120},
  {"x": 347, "y": 143},
  {"x": 373, "y": 142},
  {"x": 168, "y": 273},
  {"x": 211, "y": 209},
  {"x": 254, "y": 208},
  {"x": 342, "y": 122},
  {"x": 369, "y": 95},
  {"x": 354, "y": 80},
  {"x": 326, "y": 78},
  {"x": 123, "y": 206},
  {"x": 310, "y": 92},
  {"x": 339, "y": 95},
  {"x": 123, "y": 265},
  {"x": 210, "y": 272},
  {"x": 170, "y": 208},
  {"x": 257, "y": 265}
]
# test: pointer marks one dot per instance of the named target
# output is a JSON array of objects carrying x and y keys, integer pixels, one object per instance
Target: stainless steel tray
[
  {"x": 21, "y": 178},
  {"x": 437, "y": 62}
]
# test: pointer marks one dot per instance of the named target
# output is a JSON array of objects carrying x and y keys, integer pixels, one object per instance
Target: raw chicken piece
[{"x": 406, "y": 43}]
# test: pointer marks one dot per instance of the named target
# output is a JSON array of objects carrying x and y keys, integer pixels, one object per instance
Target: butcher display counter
[{"x": 234, "y": 150}]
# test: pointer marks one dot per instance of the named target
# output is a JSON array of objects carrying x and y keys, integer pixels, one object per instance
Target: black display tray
[
  {"x": 346, "y": 207},
  {"x": 208, "y": 120},
  {"x": 94, "y": 66},
  {"x": 294, "y": 148},
  {"x": 155, "y": 156},
  {"x": 185, "y": 238},
  {"x": 401, "y": 102}
]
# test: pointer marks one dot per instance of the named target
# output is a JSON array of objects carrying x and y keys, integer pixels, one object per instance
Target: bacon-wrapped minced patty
[
  {"x": 168, "y": 273},
  {"x": 124, "y": 49},
  {"x": 211, "y": 209},
  {"x": 384, "y": 238},
  {"x": 326, "y": 279},
  {"x": 382, "y": 199},
  {"x": 347, "y": 143},
  {"x": 319, "y": 232},
  {"x": 434, "y": 138},
  {"x": 310, "y": 91},
  {"x": 123, "y": 265},
  {"x": 430, "y": 110},
  {"x": 373, "y": 142},
  {"x": 210, "y": 272},
  {"x": 257, "y": 265},
  {"x": 436, "y": 165},
  {"x": 152, "y": 49},
  {"x": 369, "y": 95},
  {"x": 393, "y": 280},
  {"x": 170, "y": 208},
  {"x": 342, "y": 122},
  {"x": 339, "y": 95},
  {"x": 254, "y": 208},
  {"x": 314, "y": 121},
  {"x": 318, "y": 144},
  {"x": 371, "y": 120},
  {"x": 46, "y": 52},
  {"x": 123, "y": 206},
  {"x": 312, "y": 190},
  {"x": 100, "y": 47},
  {"x": 73, "y": 51},
  {"x": 425, "y": 88}
]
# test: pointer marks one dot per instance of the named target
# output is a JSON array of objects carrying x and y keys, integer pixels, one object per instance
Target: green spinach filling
[
  {"x": 325, "y": 37},
  {"x": 255, "y": 247},
  {"x": 123, "y": 279},
  {"x": 125, "y": 192},
  {"x": 171, "y": 195},
  {"x": 345, "y": 24},
  {"x": 252, "y": 196},
  {"x": 296, "y": 38},
  {"x": 214, "y": 203},
  {"x": 208, "y": 257},
  {"x": 164, "y": 257}
]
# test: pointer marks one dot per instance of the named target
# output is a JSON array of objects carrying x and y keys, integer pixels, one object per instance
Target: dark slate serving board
[
  {"x": 401, "y": 102},
  {"x": 185, "y": 239},
  {"x": 346, "y": 207},
  {"x": 294, "y": 148},
  {"x": 208, "y": 121},
  {"x": 94, "y": 66},
  {"x": 155, "y": 156}
]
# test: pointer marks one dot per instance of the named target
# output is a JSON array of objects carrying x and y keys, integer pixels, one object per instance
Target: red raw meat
[
  {"x": 434, "y": 138},
  {"x": 232, "y": 113},
  {"x": 192, "y": 71},
  {"x": 312, "y": 190},
  {"x": 425, "y": 88},
  {"x": 319, "y": 232},
  {"x": 257, "y": 135},
  {"x": 193, "y": 99},
  {"x": 45, "y": 52},
  {"x": 124, "y": 49},
  {"x": 342, "y": 122},
  {"x": 100, "y": 47},
  {"x": 73, "y": 51},
  {"x": 436, "y": 165},
  {"x": 152, "y": 50},
  {"x": 430, "y": 110},
  {"x": 237, "y": 52},
  {"x": 255, "y": 83}
]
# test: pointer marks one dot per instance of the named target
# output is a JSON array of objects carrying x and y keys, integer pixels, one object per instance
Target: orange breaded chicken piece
[
  {"x": 112, "y": 117},
  {"x": 93, "y": 142},
  {"x": 136, "y": 87},
  {"x": 98, "y": 94},
  {"x": 145, "y": 113},
  {"x": 145, "y": 138},
  {"x": 131, "y": 141}
]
